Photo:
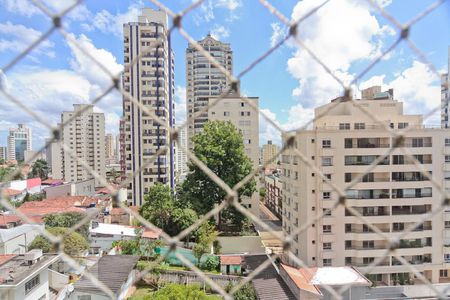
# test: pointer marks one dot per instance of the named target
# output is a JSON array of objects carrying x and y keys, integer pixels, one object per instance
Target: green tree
[
  {"x": 39, "y": 169},
  {"x": 221, "y": 148},
  {"x": 67, "y": 220},
  {"x": 205, "y": 235},
  {"x": 74, "y": 243},
  {"x": 179, "y": 291},
  {"x": 247, "y": 292},
  {"x": 211, "y": 263}
]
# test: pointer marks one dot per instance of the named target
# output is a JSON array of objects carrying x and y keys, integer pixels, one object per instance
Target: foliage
[
  {"x": 247, "y": 292},
  {"x": 6, "y": 173},
  {"x": 67, "y": 220},
  {"x": 33, "y": 197},
  {"x": 74, "y": 243},
  {"x": 39, "y": 169},
  {"x": 217, "y": 247},
  {"x": 221, "y": 148},
  {"x": 211, "y": 263},
  {"x": 205, "y": 235},
  {"x": 139, "y": 247},
  {"x": 262, "y": 193},
  {"x": 162, "y": 210},
  {"x": 179, "y": 291}
]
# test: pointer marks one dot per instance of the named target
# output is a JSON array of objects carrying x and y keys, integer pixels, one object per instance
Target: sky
[{"x": 346, "y": 35}]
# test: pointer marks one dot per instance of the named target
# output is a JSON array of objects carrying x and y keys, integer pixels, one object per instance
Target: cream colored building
[
  {"x": 150, "y": 82},
  {"x": 269, "y": 151},
  {"x": 445, "y": 96},
  {"x": 392, "y": 196},
  {"x": 109, "y": 146},
  {"x": 236, "y": 110},
  {"x": 19, "y": 141},
  {"x": 84, "y": 135},
  {"x": 204, "y": 80}
]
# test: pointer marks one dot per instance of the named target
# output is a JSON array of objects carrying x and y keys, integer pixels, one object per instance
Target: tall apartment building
[
  {"x": 109, "y": 146},
  {"x": 269, "y": 151},
  {"x": 445, "y": 96},
  {"x": 236, "y": 110},
  {"x": 151, "y": 83},
  {"x": 182, "y": 158},
  {"x": 4, "y": 153},
  {"x": 204, "y": 80},
  {"x": 19, "y": 140},
  {"x": 392, "y": 196},
  {"x": 85, "y": 135}
]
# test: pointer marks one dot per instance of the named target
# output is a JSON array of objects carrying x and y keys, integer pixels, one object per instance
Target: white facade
[
  {"x": 102, "y": 235},
  {"x": 392, "y": 196},
  {"x": 109, "y": 146},
  {"x": 80, "y": 188},
  {"x": 182, "y": 158},
  {"x": 204, "y": 80},
  {"x": 84, "y": 135},
  {"x": 4, "y": 153},
  {"x": 19, "y": 140},
  {"x": 151, "y": 83},
  {"x": 445, "y": 96},
  {"x": 15, "y": 240}
]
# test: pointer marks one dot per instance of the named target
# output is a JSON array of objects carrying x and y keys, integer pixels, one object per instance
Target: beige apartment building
[
  {"x": 85, "y": 136},
  {"x": 269, "y": 151},
  {"x": 236, "y": 110},
  {"x": 109, "y": 146},
  {"x": 392, "y": 196},
  {"x": 150, "y": 81},
  {"x": 204, "y": 80}
]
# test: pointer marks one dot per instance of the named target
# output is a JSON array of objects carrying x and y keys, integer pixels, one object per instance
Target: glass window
[
  {"x": 327, "y": 262},
  {"x": 31, "y": 284},
  {"x": 326, "y": 228},
  {"x": 359, "y": 126},
  {"x": 327, "y": 160},
  {"x": 326, "y": 144},
  {"x": 344, "y": 126},
  {"x": 326, "y": 246},
  {"x": 402, "y": 125}
]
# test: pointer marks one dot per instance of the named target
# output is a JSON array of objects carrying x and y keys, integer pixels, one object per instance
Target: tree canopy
[
  {"x": 180, "y": 291},
  {"x": 220, "y": 147},
  {"x": 67, "y": 220},
  {"x": 39, "y": 169},
  {"x": 74, "y": 243}
]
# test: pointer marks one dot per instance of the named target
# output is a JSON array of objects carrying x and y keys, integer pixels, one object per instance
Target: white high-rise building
[
  {"x": 150, "y": 81},
  {"x": 204, "y": 80},
  {"x": 85, "y": 136},
  {"x": 445, "y": 96},
  {"x": 19, "y": 141},
  {"x": 392, "y": 196},
  {"x": 182, "y": 159},
  {"x": 3, "y": 152},
  {"x": 268, "y": 152},
  {"x": 109, "y": 146}
]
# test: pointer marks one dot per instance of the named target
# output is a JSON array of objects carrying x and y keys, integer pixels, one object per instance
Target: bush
[{"x": 211, "y": 263}]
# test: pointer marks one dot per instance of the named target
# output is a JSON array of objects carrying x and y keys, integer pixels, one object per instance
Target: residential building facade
[
  {"x": 204, "y": 80},
  {"x": 84, "y": 134},
  {"x": 274, "y": 192},
  {"x": 445, "y": 96},
  {"x": 19, "y": 141},
  {"x": 151, "y": 83},
  {"x": 237, "y": 110},
  {"x": 109, "y": 146},
  {"x": 392, "y": 196},
  {"x": 269, "y": 151},
  {"x": 4, "y": 153},
  {"x": 182, "y": 158}
]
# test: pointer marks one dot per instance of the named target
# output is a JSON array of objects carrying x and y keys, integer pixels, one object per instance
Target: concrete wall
[
  {"x": 241, "y": 245},
  {"x": 18, "y": 237},
  {"x": 57, "y": 280},
  {"x": 291, "y": 285},
  {"x": 81, "y": 188},
  {"x": 37, "y": 292}
]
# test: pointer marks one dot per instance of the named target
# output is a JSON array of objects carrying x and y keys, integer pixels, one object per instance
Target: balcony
[
  {"x": 367, "y": 143},
  {"x": 411, "y": 210}
]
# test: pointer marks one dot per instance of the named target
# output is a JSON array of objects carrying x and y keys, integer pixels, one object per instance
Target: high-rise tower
[{"x": 445, "y": 95}]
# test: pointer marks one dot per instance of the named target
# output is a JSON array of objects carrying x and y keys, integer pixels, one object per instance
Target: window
[
  {"x": 368, "y": 260},
  {"x": 447, "y": 142},
  {"x": 31, "y": 284},
  {"x": 402, "y": 125},
  {"x": 326, "y": 246},
  {"x": 326, "y": 144},
  {"x": 344, "y": 126},
  {"x": 417, "y": 142},
  {"x": 326, "y": 195},
  {"x": 348, "y": 244},
  {"x": 398, "y": 226},
  {"x": 326, "y": 212},
  {"x": 348, "y": 227},
  {"x": 327, "y": 160},
  {"x": 368, "y": 244},
  {"x": 226, "y": 113},
  {"x": 447, "y": 224},
  {"x": 348, "y": 177},
  {"x": 447, "y": 158},
  {"x": 327, "y": 262},
  {"x": 326, "y": 228},
  {"x": 443, "y": 273},
  {"x": 360, "y": 126},
  {"x": 348, "y": 143}
]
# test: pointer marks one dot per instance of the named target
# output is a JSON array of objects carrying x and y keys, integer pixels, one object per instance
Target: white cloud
[
  {"x": 180, "y": 104},
  {"x": 207, "y": 8},
  {"x": 417, "y": 86},
  {"x": 220, "y": 32},
  {"x": 266, "y": 130},
  {"x": 109, "y": 23},
  {"x": 278, "y": 33},
  {"x": 340, "y": 33},
  {"x": 22, "y": 7},
  {"x": 16, "y": 38}
]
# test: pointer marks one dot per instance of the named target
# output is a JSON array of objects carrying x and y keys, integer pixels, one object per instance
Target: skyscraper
[
  {"x": 109, "y": 146},
  {"x": 445, "y": 96},
  {"x": 19, "y": 140},
  {"x": 204, "y": 80},
  {"x": 268, "y": 151},
  {"x": 182, "y": 159},
  {"x": 85, "y": 136},
  {"x": 149, "y": 81}
]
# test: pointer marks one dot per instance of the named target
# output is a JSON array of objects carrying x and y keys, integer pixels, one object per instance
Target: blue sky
[{"x": 345, "y": 34}]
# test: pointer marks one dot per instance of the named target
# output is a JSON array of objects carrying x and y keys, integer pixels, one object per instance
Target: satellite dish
[{"x": 70, "y": 288}]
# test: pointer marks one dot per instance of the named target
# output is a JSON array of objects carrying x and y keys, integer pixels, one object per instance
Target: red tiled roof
[
  {"x": 106, "y": 191},
  {"x": 116, "y": 211},
  {"x": 151, "y": 234},
  {"x": 6, "y": 257},
  {"x": 5, "y": 219},
  {"x": 51, "y": 181},
  {"x": 302, "y": 278},
  {"x": 11, "y": 192},
  {"x": 230, "y": 260}
]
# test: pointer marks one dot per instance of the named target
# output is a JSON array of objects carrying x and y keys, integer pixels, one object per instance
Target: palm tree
[{"x": 39, "y": 169}]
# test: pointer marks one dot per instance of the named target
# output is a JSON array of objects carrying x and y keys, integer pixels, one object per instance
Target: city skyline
[{"x": 399, "y": 68}]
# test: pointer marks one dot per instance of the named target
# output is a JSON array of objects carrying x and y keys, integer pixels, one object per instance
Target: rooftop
[
  {"x": 11, "y": 192},
  {"x": 111, "y": 270},
  {"x": 230, "y": 260},
  {"x": 15, "y": 268},
  {"x": 51, "y": 181},
  {"x": 104, "y": 228}
]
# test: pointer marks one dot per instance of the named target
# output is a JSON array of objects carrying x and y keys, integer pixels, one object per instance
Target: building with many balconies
[{"x": 392, "y": 196}]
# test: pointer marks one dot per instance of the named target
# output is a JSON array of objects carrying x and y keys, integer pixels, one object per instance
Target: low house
[
  {"x": 231, "y": 264},
  {"x": 115, "y": 272},
  {"x": 311, "y": 283},
  {"x": 28, "y": 277},
  {"x": 14, "y": 195},
  {"x": 16, "y": 238},
  {"x": 79, "y": 188}
]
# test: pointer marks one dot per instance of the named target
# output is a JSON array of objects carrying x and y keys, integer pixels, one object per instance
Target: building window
[
  {"x": 31, "y": 284},
  {"x": 447, "y": 142},
  {"x": 368, "y": 244},
  {"x": 344, "y": 126},
  {"x": 443, "y": 273},
  {"x": 226, "y": 113},
  {"x": 326, "y": 195},
  {"x": 402, "y": 125},
  {"x": 447, "y": 224},
  {"x": 326, "y": 246},
  {"x": 447, "y": 158},
  {"x": 326, "y": 143},
  {"x": 327, "y": 160},
  {"x": 327, "y": 262},
  {"x": 326, "y": 228},
  {"x": 326, "y": 212},
  {"x": 368, "y": 260},
  {"x": 360, "y": 126}
]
